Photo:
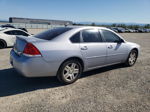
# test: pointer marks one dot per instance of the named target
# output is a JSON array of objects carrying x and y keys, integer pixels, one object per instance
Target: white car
[{"x": 8, "y": 36}]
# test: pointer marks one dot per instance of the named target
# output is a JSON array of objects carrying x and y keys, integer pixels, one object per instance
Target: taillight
[{"x": 31, "y": 50}]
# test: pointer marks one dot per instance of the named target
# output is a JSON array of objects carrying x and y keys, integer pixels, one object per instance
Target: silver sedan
[{"x": 66, "y": 52}]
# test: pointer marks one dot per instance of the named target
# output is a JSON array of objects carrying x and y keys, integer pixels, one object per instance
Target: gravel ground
[{"x": 110, "y": 89}]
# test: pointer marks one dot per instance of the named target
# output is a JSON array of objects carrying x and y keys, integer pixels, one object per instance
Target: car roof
[
  {"x": 86, "y": 27},
  {"x": 79, "y": 28},
  {"x": 75, "y": 29}
]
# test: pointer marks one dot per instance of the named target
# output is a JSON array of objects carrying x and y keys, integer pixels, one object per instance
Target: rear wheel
[
  {"x": 69, "y": 71},
  {"x": 2, "y": 44},
  {"x": 132, "y": 58}
]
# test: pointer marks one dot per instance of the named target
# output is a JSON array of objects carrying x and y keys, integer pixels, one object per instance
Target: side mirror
[{"x": 119, "y": 41}]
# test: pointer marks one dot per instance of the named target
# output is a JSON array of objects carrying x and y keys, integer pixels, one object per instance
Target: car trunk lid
[{"x": 21, "y": 42}]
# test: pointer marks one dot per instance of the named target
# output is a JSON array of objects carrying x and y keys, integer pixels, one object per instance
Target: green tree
[
  {"x": 147, "y": 26},
  {"x": 92, "y": 24},
  {"x": 114, "y": 25}
]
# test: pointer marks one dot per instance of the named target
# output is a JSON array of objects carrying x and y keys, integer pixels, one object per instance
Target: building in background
[{"x": 39, "y": 21}]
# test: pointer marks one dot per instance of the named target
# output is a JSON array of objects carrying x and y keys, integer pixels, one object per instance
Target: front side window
[
  {"x": 52, "y": 33},
  {"x": 15, "y": 32},
  {"x": 12, "y": 32},
  {"x": 8, "y": 32},
  {"x": 110, "y": 36},
  {"x": 91, "y": 36}
]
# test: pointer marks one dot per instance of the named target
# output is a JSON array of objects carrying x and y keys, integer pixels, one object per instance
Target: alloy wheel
[
  {"x": 132, "y": 58},
  {"x": 71, "y": 71}
]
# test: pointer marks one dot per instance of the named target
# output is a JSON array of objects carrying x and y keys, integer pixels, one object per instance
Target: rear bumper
[{"x": 33, "y": 66}]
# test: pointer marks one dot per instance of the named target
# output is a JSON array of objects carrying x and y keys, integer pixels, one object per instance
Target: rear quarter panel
[{"x": 57, "y": 52}]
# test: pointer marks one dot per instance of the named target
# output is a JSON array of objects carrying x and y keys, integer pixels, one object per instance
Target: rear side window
[
  {"x": 15, "y": 32},
  {"x": 52, "y": 33},
  {"x": 75, "y": 38},
  {"x": 91, "y": 36},
  {"x": 8, "y": 32},
  {"x": 110, "y": 36}
]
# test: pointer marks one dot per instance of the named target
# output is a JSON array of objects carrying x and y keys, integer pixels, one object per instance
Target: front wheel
[
  {"x": 132, "y": 58},
  {"x": 69, "y": 71}
]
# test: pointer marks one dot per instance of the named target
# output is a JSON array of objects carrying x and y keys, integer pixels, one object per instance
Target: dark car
[
  {"x": 114, "y": 29},
  {"x": 11, "y": 26},
  {"x": 141, "y": 30},
  {"x": 121, "y": 30},
  {"x": 7, "y": 26},
  {"x": 23, "y": 29},
  {"x": 129, "y": 30}
]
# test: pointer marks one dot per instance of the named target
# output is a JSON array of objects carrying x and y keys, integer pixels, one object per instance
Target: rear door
[
  {"x": 92, "y": 48},
  {"x": 116, "y": 48}
]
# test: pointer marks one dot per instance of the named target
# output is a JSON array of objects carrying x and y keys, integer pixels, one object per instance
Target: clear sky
[{"x": 137, "y": 11}]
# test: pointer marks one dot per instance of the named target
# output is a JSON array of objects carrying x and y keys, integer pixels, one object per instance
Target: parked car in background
[
  {"x": 136, "y": 31},
  {"x": 1, "y": 28},
  {"x": 121, "y": 30},
  {"x": 23, "y": 29},
  {"x": 67, "y": 52},
  {"x": 11, "y": 26},
  {"x": 7, "y": 26},
  {"x": 129, "y": 30},
  {"x": 146, "y": 30},
  {"x": 141, "y": 30},
  {"x": 8, "y": 36},
  {"x": 114, "y": 29}
]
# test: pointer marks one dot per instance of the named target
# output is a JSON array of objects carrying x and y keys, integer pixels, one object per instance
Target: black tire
[
  {"x": 128, "y": 61},
  {"x": 2, "y": 44},
  {"x": 60, "y": 74}
]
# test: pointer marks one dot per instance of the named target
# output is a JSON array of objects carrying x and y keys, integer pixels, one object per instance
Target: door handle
[
  {"x": 84, "y": 48},
  {"x": 110, "y": 47}
]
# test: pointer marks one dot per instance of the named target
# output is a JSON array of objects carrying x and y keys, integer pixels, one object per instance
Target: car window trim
[{"x": 103, "y": 40}]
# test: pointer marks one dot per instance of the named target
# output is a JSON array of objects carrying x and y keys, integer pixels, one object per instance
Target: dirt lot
[{"x": 115, "y": 88}]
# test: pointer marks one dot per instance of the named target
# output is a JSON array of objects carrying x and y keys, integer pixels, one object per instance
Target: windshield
[{"x": 52, "y": 33}]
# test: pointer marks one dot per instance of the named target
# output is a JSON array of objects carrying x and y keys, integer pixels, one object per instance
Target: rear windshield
[{"x": 52, "y": 33}]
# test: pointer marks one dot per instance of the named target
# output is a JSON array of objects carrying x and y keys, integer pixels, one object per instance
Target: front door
[
  {"x": 116, "y": 48},
  {"x": 116, "y": 52}
]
